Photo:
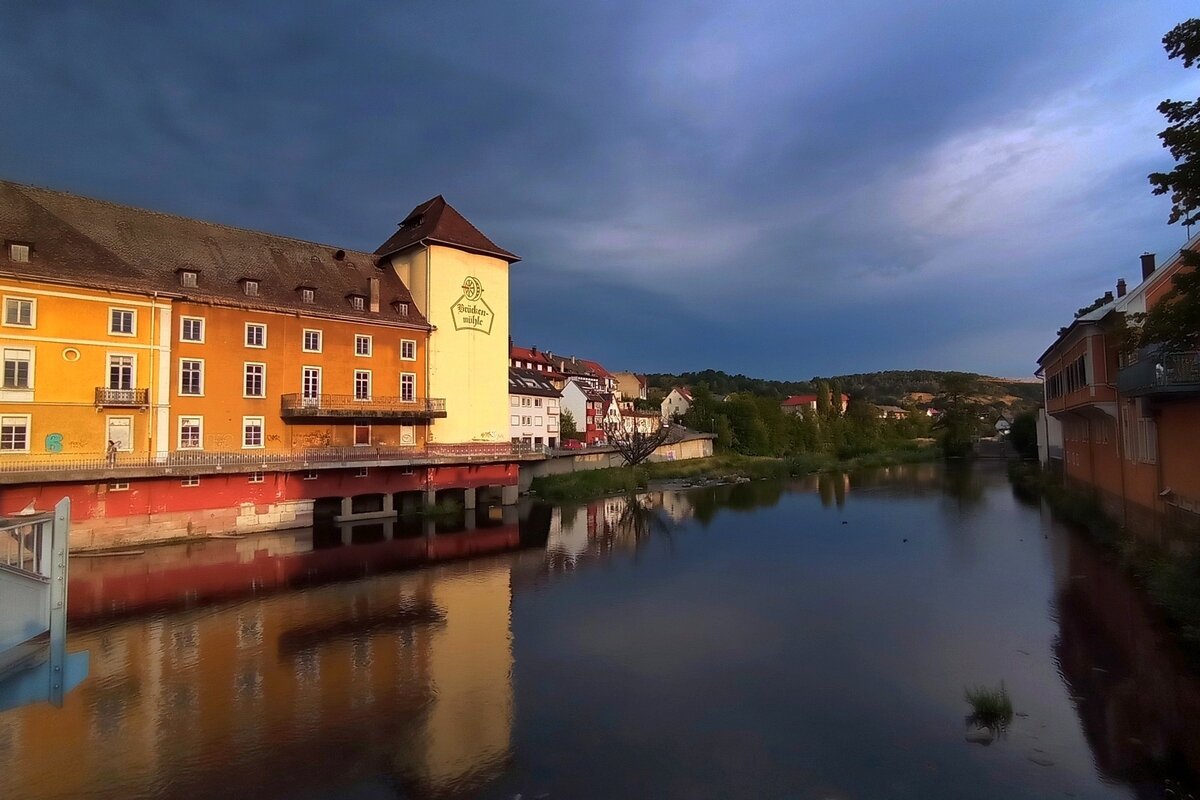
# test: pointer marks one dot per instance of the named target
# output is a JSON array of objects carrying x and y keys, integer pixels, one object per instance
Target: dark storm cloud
[{"x": 781, "y": 189}]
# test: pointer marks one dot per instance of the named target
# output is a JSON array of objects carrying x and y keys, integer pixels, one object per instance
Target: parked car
[{"x": 571, "y": 444}]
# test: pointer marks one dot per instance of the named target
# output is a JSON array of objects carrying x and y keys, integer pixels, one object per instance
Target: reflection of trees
[
  {"x": 961, "y": 485},
  {"x": 1137, "y": 700}
]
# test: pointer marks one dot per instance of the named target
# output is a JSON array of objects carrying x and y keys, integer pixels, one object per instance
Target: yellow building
[{"x": 143, "y": 345}]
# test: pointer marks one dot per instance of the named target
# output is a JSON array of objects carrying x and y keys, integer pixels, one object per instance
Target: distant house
[
  {"x": 676, "y": 403},
  {"x": 528, "y": 358},
  {"x": 630, "y": 385},
  {"x": 533, "y": 408},
  {"x": 797, "y": 403},
  {"x": 891, "y": 412},
  {"x": 642, "y": 421},
  {"x": 591, "y": 410},
  {"x": 587, "y": 373}
]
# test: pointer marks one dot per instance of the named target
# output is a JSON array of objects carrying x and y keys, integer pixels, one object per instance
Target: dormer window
[
  {"x": 250, "y": 287},
  {"x": 18, "y": 252},
  {"x": 357, "y": 302},
  {"x": 308, "y": 295},
  {"x": 401, "y": 308},
  {"x": 188, "y": 278}
]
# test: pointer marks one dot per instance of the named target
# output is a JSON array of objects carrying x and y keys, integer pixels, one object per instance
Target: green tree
[
  {"x": 1023, "y": 434},
  {"x": 823, "y": 398},
  {"x": 1174, "y": 322},
  {"x": 566, "y": 424},
  {"x": 957, "y": 423}
]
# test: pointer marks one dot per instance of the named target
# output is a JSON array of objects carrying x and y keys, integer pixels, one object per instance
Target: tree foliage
[
  {"x": 1174, "y": 322},
  {"x": 1023, "y": 434},
  {"x": 634, "y": 444},
  {"x": 566, "y": 424},
  {"x": 957, "y": 425}
]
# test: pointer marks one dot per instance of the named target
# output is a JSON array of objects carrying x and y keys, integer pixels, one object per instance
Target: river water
[{"x": 810, "y": 639}]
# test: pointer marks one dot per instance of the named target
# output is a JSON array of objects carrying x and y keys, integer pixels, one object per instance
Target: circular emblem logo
[{"x": 472, "y": 288}]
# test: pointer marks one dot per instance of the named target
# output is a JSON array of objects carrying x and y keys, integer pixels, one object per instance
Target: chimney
[
  {"x": 1120, "y": 287},
  {"x": 1147, "y": 265},
  {"x": 374, "y": 295},
  {"x": 572, "y": 359},
  {"x": 533, "y": 349},
  {"x": 1108, "y": 298}
]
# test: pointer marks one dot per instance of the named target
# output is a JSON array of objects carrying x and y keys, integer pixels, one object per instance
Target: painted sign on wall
[{"x": 470, "y": 311}]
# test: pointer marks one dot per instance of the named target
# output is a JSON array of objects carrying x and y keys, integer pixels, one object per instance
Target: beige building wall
[{"x": 465, "y": 297}]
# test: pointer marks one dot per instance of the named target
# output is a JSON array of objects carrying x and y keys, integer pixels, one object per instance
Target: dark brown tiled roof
[
  {"x": 527, "y": 381},
  {"x": 437, "y": 222},
  {"x": 88, "y": 242}
]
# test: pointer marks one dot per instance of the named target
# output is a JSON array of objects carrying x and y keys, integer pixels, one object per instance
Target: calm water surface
[{"x": 807, "y": 640}]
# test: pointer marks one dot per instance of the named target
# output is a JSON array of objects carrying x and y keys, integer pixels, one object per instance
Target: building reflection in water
[{"x": 402, "y": 682}]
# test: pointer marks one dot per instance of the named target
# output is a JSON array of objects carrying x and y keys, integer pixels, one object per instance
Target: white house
[
  {"x": 533, "y": 407},
  {"x": 676, "y": 403}
]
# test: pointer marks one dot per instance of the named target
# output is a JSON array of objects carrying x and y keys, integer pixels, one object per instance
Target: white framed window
[
  {"x": 256, "y": 335},
  {"x": 310, "y": 476},
  {"x": 537, "y": 402},
  {"x": 514, "y": 401},
  {"x": 356, "y": 302},
  {"x": 18, "y": 369},
  {"x": 190, "y": 481},
  {"x": 122, "y": 321},
  {"x": 250, "y": 288},
  {"x": 188, "y": 279},
  {"x": 408, "y": 349},
  {"x": 18, "y": 252},
  {"x": 408, "y": 387},
  {"x": 361, "y": 472},
  {"x": 362, "y": 345},
  {"x": 252, "y": 432},
  {"x": 121, "y": 486},
  {"x": 312, "y": 341},
  {"x": 191, "y": 433},
  {"x": 121, "y": 369},
  {"x": 537, "y": 420},
  {"x": 308, "y": 296},
  {"x": 402, "y": 308},
  {"x": 191, "y": 377},
  {"x": 14, "y": 433},
  {"x": 255, "y": 477},
  {"x": 526, "y": 420},
  {"x": 191, "y": 329},
  {"x": 515, "y": 419},
  {"x": 119, "y": 431},
  {"x": 20, "y": 312},
  {"x": 1147, "y": 440},
  {"x": 254, "y": 383},
  {"x": 310, "y": 383},
  {"x": 362, "y": 384},
  {"x": 362, "y": 435}
]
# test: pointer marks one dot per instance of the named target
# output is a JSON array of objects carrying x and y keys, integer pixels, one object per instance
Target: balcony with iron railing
[
  {"x": 128, "y": 398},
  {"x": 345, "y": 406},
  {"x": 1151, "y": 372}
]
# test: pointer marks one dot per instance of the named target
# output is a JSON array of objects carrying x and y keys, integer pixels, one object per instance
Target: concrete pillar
[
  {"x": 389, "y": 529},
  {"x": 469, "y": 499},
  {"x": 347, "y": 506},
  {"x": 347, "y": 533},
  {"x": 387, "y": 504},
  {"x": 430, "y": 498},
  {"x": 509, "y": 494},
  {"x": 430, "y": 528}
]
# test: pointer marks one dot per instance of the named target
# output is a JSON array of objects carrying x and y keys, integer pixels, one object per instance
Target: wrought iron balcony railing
[
  {"x": 298, "y": 406},
  {"x": 122, "y": 397},
  {"x": 1156, "y": 373}
]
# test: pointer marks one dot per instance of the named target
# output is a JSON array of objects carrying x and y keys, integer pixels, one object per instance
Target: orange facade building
[
  {"x": 1126, "y": 426},
  {"x": 177, "y": 377}
]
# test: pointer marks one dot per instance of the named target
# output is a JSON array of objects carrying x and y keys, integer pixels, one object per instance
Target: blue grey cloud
[{"x": 777, "y": 188}]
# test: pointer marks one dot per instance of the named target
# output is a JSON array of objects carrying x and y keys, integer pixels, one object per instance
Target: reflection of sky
[{"x": 785, "y": 652}]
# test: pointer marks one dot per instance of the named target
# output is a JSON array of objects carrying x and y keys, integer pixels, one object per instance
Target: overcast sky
[{"x": 783, "y": 189}]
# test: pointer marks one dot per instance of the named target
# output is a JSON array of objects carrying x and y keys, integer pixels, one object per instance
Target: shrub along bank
[{"x": 1171, "y": 581}]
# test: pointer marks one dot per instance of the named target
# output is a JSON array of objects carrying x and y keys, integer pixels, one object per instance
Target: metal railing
[
  {"x": 1151, "y": 371},
  {"x": 122, "y": 397},
  {"x": 345, "y": 405},
  {"x": 199, "y": 461},
  {"x": 25, "y": 543}
]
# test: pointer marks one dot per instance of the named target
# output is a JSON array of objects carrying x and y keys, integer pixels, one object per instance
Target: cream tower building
[{"x": 459, "y": 281}]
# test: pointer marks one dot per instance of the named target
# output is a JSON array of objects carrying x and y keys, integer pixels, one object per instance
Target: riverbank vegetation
[
  {"x": 725, "y": 468},
  {"x": 1170, "y": 580},
  {"x": 990, "y": 708}
]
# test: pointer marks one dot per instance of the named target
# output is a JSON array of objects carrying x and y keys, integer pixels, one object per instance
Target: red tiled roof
[
  {"x": 527, "y": 354},
  {"x": 800, "y": 400},
  {"x": 437, "y": 222},
  {"x": 595, "y": 367},
  {"x": 685, "y": 392}
]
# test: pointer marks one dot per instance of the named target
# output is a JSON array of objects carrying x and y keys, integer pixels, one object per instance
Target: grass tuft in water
[{"x": 990, "y": 708}]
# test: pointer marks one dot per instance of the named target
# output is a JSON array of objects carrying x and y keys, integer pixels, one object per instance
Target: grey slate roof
[
  {"x": 88, "y": 242},
  {"x": 529, "y": 382}
]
